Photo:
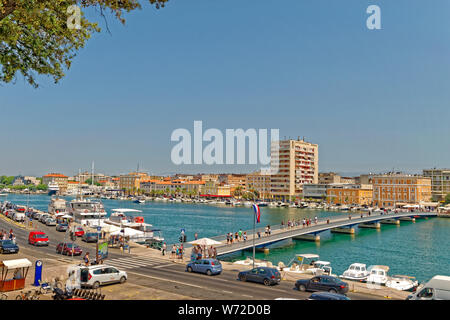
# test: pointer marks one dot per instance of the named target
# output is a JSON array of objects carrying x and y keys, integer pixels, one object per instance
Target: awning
[{"x": 17, "y": 263}]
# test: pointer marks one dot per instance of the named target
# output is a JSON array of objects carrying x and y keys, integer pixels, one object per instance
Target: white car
[{"x": 97, "y": 275}]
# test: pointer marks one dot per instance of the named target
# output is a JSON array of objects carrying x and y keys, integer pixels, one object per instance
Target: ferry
[
  {"x": 87, "y": 212},
  {"x": 53, "y": 188}
]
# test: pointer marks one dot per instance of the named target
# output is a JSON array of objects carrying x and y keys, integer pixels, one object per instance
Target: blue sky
[{"x": 372, "y": 100}]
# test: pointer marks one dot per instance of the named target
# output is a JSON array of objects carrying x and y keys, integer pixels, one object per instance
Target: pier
[{"x": 339, "y": 224}]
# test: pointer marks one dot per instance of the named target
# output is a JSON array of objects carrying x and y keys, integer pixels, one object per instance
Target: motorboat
[
  {"x": 403, "y": 283},
  {"x": 356, "y": 271},
  {"x": 139, "y": 200},
  {"x": 301, "y": 263},
  {"x": 53, "y": 188},
  {"x": 249, "y": 262},
  {"x": 378, "y": 275},
  {"x": 321, "y": 268}
]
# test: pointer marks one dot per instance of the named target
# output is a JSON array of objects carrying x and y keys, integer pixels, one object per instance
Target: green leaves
[{"x": 35, "y": 39}]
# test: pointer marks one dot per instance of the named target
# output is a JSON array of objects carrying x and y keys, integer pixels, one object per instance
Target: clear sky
[{"x": 372, "y": 100}]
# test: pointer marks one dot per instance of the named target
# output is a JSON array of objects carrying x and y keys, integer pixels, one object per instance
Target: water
[{"x": 418, "y": 249}]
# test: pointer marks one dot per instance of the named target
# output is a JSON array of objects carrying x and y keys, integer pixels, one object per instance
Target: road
[{"x": 164, "y": 275}]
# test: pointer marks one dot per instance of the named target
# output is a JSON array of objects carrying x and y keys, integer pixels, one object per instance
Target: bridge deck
[{"x": 279, "y": 233}]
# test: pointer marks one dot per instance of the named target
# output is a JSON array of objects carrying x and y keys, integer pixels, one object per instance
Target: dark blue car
[
  {"x": 208, "y": 266},
  {"x": 265, "y": 275},
  {"x": 8, "y": 246}
]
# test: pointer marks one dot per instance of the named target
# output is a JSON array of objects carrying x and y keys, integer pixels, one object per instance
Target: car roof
[
  {"x": 328, "y": 294},
  {"x": 37, "y": 232}
]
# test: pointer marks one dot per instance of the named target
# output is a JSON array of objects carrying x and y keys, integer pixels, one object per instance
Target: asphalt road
[{"x": 168, "y": 277}]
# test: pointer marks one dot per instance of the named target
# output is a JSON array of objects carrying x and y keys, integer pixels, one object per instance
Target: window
[
  {"x": 98, "y": 271},
  {"x": 426, "y": 293}
]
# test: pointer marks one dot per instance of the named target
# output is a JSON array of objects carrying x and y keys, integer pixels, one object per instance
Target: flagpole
[{"x": 254, "y": 234}]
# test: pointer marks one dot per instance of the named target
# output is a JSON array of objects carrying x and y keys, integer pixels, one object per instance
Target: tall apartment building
[
  {"x": 440, "y": 182},
  {"x": 391, "y": 190},
  {"x": 260, "y": 182},
  {"x": 298, "y": 164}
]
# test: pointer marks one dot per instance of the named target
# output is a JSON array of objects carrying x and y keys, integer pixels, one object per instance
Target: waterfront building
[
  {"x": 132, "y": 181},
  {"x": 60, "y": 179},
  {"x": 315, "y": 191},
  {"x": 397, "y": 189},
  {"x": 333, "y": 177},
  {"x": 297, "y": 163},
  {"x": 213, "y": 188},
  {"x": 179, "y": 186},
  {"x": 234, "y": 181},
  {"x": 440, "y": 182},
  {"x": 260, "y": 182},
  {"x": 350, "y": 194},
  {"x": 82, "y": 177}
]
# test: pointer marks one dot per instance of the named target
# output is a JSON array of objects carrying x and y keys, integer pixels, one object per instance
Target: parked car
[
  {"x": 43, "y": 217},
  {"x": 79, "y": 231},
  {"x": 50, "y": 222},
  {"x": 35, "y": 215},
  {"x": 268, "y": 276},
  {"x": 38, "y": 238},
  {"x": 90, "y": 237},
  {"x": 327, "y": 296},
  {"x": 68, "y": 248},
  {"x": 208, "y": 266},
  {"x": 322, "y": 283},
  {"x": 62, "y": 227},
  {"x": 438, "y": 288},
  {"x": 8, "y": 246},
  {"x": 18, "y": 216},
  {"x": 97, "y": 275}
]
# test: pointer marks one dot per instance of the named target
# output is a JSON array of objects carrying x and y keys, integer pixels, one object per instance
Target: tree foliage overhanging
[{"x": 36, "y": 40}]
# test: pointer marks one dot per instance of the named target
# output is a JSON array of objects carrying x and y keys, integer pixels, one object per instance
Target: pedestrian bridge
[{"x": 340, "y": 224}]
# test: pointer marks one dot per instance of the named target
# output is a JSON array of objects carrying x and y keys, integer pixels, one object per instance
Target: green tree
[
  {"x": 38, "y": 37},
  {"x": 447, "y": 199}
]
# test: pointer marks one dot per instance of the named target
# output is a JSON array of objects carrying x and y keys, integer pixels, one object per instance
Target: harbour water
[{"x": 417, "y": 249}]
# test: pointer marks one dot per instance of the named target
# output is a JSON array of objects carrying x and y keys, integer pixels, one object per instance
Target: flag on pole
[{"x": 257, "y": 212}]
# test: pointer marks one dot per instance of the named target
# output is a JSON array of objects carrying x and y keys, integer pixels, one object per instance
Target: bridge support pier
[
  {"x": 408, "y": 219},
  {"x": 390, "y": 221},
  {"x": 375, "y": 225},
  {"x": 343, "y": 230},
  {"x": 308, "y": 237}
]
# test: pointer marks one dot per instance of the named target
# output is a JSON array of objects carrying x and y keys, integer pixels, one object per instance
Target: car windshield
[
  {"x": 91, "y": 235},
  {"x": 63, "y": 224},
  {"x": 70, "y": 245},
  {"x": 7, "y": 242},
  {"x": 41, "y": 236}
]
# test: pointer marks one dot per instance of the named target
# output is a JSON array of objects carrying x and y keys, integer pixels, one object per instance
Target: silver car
[
  {"x": 97, "y": 275},
  {"x": 50, "y": 222},
  {"x": 43, "y": 218}
]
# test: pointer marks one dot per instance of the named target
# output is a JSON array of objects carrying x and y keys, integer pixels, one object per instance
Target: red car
[
  {"x": 38, "y": 238},
  {"x": 79, "y": 231},
  {"x": 68, "y": 248}
]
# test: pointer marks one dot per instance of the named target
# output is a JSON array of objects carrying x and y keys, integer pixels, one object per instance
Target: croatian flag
[{"x": 257, "y": 212}]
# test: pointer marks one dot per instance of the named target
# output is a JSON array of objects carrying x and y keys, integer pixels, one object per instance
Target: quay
[{"x": 339, "y": 224}]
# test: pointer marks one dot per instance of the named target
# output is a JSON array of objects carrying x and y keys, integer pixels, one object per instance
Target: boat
[
  {"x": 57, "y": 205},
  {"x": 128, "y": 218},
  {"x": 53, "y": 188},
  {"x": 249, "y": 262},
  {"x": 402, "y": 283},
  {"x": 139, "y": 200},
  {"x": 356, "y": 271},
  {"x": 87, "y": 212},
  {"x": 262, "y": 204},
  {"x": 378, "y": 275},
  {"x": 301, "y": 263},
  {"x": 322, "y": 268}
]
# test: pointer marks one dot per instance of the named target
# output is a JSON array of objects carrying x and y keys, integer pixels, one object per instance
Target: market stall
[{"x": 13, "y": 274}]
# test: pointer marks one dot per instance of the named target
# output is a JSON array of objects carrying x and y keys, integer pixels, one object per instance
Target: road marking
[
  {"x": 246, "y": 295},
  {"x": 227, "y": 291},
  {"x": 174, "y": 281}
]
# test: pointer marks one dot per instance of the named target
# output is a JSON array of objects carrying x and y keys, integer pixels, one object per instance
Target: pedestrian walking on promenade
[
  {"x": 315, "y": 219},
  {"x": 228, "y": 238},
  {"x": 214, "y": 252},
  {"x": 245, "y": 236},
  {"x": 163, "y": 249},
  {"x": 86, "y": 259},
  {"x": 174, "y": 250},
  {"x": 259, "y": 234},
  {"x": 196, "y": 236},
  {"x": 236, "y": 236},
  {"x": 268, "y": 230},
  {"x": 240, "y": 234}
]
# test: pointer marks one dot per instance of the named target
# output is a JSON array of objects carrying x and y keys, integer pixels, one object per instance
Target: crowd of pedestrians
[
  {"x": 4, "y": 235},
  {"x": 202, "y": 252},
  {"x": 236, "y": 237}
]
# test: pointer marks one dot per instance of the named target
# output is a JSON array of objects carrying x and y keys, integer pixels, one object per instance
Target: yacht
[
  {"x": 378, "y": 275},
  {"x": 403, "y": 283},
  {"x": 53, "y": 188},
  {"x": 356, "y": 271},
  {"x": 87, "y": 212},
  {"x": 57, "y": 205}
]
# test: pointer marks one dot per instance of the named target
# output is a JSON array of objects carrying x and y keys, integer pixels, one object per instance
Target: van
[
  {"x": 19, "y": 217},
  {"x": 438, "y": 288},
  {"x": 97, "y": 275},
  {"x": 38, "y": 238}
]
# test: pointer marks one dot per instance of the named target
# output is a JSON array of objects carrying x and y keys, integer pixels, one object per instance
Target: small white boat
[
  {"x": 356, "y": 271},
  {"x": 249, "y": 262},
  {"x": 378, "y": 275},
  {"x": 322, "y": 268},
  {"x": 301, "y": 263},
  {"x": 402, "y": 283}
]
